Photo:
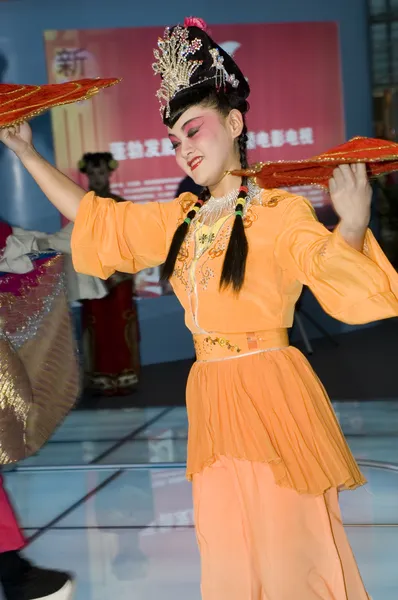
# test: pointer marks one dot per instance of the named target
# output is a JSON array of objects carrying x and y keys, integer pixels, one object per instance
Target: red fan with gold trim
[
  {"x": 380, "y": 156},
  {"x": 22, "y": 102}
]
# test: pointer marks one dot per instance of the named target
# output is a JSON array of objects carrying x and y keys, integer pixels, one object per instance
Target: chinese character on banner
[
  {"x": 135, "y": 150},
  {"x": 70, "y": 62},
  {"x": 306, "y": 136},
  {"x": 166, "y": 147},
  {"x": 118, "y": 150},
  {"x": 277, "y": 138},
  {"x": 292, "y": 137},
  {"x": 251, "y": 140},
  {"x": 263, "y": 139},
  {"x": 152, "y": 148}
]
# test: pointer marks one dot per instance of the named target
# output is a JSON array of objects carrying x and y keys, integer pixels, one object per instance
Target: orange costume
[
  {"x": 265, "y": 452},
  {"x": 254, "y": 404}
]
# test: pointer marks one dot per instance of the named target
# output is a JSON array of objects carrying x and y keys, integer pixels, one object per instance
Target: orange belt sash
[{"x": 218, "y": 346}]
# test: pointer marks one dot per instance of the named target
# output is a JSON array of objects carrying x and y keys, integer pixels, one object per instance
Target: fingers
[
  {"x": 11, "y": 130},
  {"x": 350, "y": 174},
  {"x": 339, "y": 177},
  {"x": 347, "y": 174},
  {"x": 8, "y": 131},
  {"x": 359, "y": 170},
  {"x": 4, "y": 133}
]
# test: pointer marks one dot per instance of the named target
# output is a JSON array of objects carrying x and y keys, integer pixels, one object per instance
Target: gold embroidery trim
[
  {"x": 186, "y": 201},
  {"x": 224, "y": 343}
]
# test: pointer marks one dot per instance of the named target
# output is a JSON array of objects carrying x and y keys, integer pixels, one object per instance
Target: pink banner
[{"x": 296, "y": 104}]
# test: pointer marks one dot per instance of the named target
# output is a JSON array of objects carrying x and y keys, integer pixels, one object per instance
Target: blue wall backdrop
[{"x": 22, "y": 23}]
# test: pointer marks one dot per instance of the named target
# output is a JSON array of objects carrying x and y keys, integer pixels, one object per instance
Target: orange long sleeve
[
  {"x": 111, "y": 236},
  {"x": 353, "y": 287}
]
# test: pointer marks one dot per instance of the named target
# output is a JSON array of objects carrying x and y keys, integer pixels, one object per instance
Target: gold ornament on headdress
[
  {"x": 172, "y": 64},
  {"x": 221, "y": 75}
]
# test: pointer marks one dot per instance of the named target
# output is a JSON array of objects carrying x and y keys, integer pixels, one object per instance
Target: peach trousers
[{"x": 260, "y": 541}]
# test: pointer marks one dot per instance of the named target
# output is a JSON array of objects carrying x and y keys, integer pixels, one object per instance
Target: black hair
[
  {"x": 233, "y": 271},
  {"x": 95, "y": 159}
]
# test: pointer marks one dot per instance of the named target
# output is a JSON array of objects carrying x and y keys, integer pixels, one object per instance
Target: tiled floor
[{"x": 107, "y": 498}]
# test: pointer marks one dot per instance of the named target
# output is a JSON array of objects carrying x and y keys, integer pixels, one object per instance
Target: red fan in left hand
[{"x": 380, "y": 156}]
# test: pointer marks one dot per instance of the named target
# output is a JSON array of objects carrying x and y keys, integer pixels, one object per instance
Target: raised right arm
[{"x": 59, "y": 189}]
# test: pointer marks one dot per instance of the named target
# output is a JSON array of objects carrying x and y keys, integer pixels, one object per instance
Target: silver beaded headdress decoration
[{"x": 176, "y": 69}]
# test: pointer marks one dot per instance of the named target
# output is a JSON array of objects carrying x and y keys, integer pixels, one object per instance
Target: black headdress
[{"x": 186, "y": 57}]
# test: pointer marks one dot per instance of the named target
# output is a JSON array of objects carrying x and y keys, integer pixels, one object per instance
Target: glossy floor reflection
[{"x": 127, "y": 532}]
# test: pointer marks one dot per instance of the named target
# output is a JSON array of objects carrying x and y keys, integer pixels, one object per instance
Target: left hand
[{"x": 351, "y": 196}]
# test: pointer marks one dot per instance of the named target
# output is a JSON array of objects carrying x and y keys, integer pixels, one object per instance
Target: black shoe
[{"x": 34, "y": 583}]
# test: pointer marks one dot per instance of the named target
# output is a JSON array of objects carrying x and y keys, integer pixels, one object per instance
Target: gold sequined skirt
[{"x": 39, "y": 374}]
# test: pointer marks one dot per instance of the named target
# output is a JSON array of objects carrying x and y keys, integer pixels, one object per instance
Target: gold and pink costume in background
[{"x": 39, "y": 373}]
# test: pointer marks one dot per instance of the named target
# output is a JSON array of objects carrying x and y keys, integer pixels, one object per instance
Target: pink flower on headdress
[{"x": 195, "y": 22}]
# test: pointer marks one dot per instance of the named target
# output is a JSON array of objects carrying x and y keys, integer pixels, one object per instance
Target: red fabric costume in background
[
  {"x": 111, "y": 339},
  {"x": 110, "y": 324},
  {"x": 11, "y": 537}
]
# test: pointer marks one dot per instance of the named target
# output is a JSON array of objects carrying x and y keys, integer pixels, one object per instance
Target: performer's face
[
  {"x": 205, "y": 143},
  {"x": 98, "y": 176}
]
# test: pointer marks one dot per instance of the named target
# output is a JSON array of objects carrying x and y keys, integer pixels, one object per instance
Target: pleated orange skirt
[{"x": 265, "y": 405}]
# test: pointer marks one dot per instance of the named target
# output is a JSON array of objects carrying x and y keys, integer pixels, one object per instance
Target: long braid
[
  {"x": 179, "y": 236},
  {"x": 234, "y": 267},
  {"x": 242, "y": 144}
]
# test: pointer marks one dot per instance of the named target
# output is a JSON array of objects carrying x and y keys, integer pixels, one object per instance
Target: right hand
[{"x": 18, "y": 138}]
